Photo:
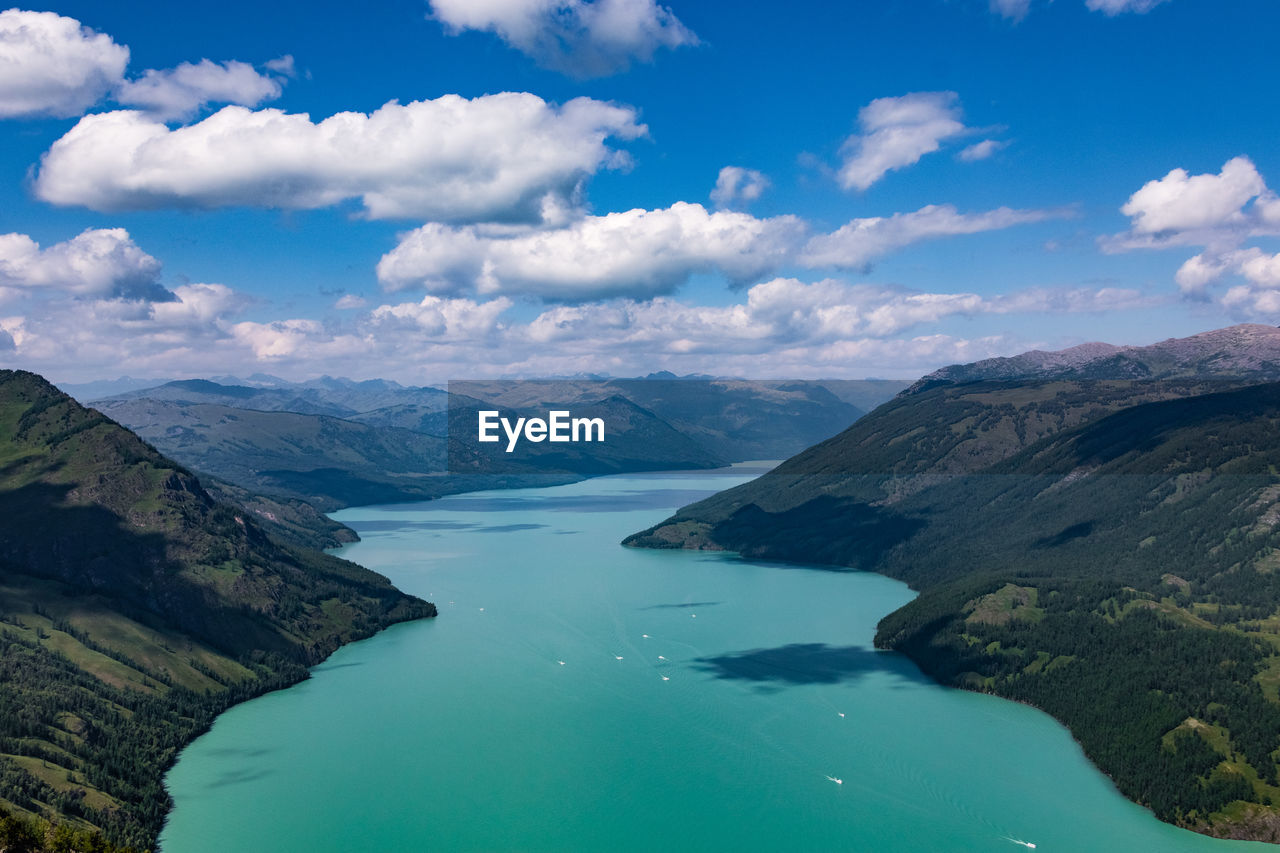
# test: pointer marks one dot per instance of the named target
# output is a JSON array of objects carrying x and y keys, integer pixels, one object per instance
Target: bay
[{"x": 577, "y": 695}]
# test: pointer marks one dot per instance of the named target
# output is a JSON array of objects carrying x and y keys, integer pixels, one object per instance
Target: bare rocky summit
[{"x": 1247, "y": 351}]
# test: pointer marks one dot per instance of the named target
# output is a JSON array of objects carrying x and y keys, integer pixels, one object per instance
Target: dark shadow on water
[
  {"x": 807, "y": 663},
  {"x": 508, "y": 528},
  {"x": 327, "y": 666},
  {"x": 789, "y": 565},
  {"x": 390, "y": 525},
  {"x": 621, "y": 501},
  {"x": 689, "y": 604},
  {"x": 236, "y": 752},
  {"x": 237, "y": 777}
]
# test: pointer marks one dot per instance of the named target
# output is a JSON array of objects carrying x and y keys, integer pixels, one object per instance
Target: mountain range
[
  {"x": 1247, "y": 350},
  {"x": 331, "y": 443}
]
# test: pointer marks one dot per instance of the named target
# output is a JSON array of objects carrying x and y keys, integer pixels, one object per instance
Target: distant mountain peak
[{"x": 1246, "y": 351}]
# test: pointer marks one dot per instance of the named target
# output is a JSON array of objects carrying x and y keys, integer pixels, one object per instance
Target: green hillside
[
  {"x": 1106, "y": 551},
  {"x": 133, "y": 608},
  {"x": 327, "y": 461},
  {"x": 912, "y": 441}
]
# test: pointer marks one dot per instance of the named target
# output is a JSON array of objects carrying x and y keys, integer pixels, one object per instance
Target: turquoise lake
[{"x": 576, "y": 695}]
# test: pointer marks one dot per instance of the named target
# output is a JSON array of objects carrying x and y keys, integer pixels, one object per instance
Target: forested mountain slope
[
  {"x": 134, "y": 608},
  {"x": 1105, "y": 550}
]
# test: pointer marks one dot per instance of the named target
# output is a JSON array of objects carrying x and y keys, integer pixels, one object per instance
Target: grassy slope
[
  {"x": 134, "y": 608},
  {"x": 1131, "y": 590}
]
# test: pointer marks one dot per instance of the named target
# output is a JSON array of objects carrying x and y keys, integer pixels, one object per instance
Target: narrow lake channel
[{"x": 576, "y": 695}]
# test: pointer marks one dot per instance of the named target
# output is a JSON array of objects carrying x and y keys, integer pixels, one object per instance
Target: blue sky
[{"x": 525, "y": 187}]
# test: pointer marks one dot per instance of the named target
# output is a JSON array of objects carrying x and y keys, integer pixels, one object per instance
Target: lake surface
[{"x": 535, "y": 714}]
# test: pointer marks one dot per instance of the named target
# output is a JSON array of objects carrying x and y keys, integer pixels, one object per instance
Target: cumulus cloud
[
  {"x": 780, "y": 327},
  {"x": 643, "y": 253},
  {"x": 1245, "y": 302},
  {"x": 855, "y": 245},
  {"x": 1260, "y": 270},
  {"x": 50, "y": 65},
  {"x": 777, "y": 313},
  {"x": 80, "y": 336},
  {"x": 1218, "y": 212},
  {"x": 582, "y": 38},
  {"x": 1112, "y": 8},
  {"x": 736, "y": 185},
  {"x": 98, "y": 262},
  {"x": 1181, "y": 206},
  {"x": 634, "y": 253},
  {"x": 349, "y": 301},
  {"x": 195, "y": 306},
  {"x": 510, "y": 156},
  {"x": 895, "y": 133},
  {"x": 178, "y": 93},
  {"x": 445, "y": 319}
]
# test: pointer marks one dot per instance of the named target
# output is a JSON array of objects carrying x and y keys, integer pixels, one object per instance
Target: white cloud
[
  {"x": 1246, "y": 302},
  {"x": 349, "y": 302},
  {"x": 52, "y": 66},
  {"x": 897, "y": 132},
  {"x": 98, "y": 262},
  {"x": 780, "y": 327},
  {"x": 1218, "y": 212},
  {"x": 510, "y": 156},
  {"x": 633, "y": 253},
  {"x": 1071, "y": 300},
  {"x": 85, "y": 336},
  {"x": 280, "y": 338},
  {"x": 643, "y": 253},
  {"x": 583, "y": 38},
  {"x": 178, "y": 93},
  {"x": 855, "y": 245},
  {"x": 198, "y": 305},
  {"x": 445, "y": 319},
  {"x": 783, "y": 325},
  {"x": 736, "y": 184},
  {"x": 282, "y": 65},
  {"x": 1259, "y": 269},
  {"x": 1179, "y": 203},
  {"x": 1116, "y": 7},
  {"x": 777, "y": 313},
  {"x": 1199, "y": 271},
  {"x": 981, "y": 150},
  {"x": 1014, "y": 10}
]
